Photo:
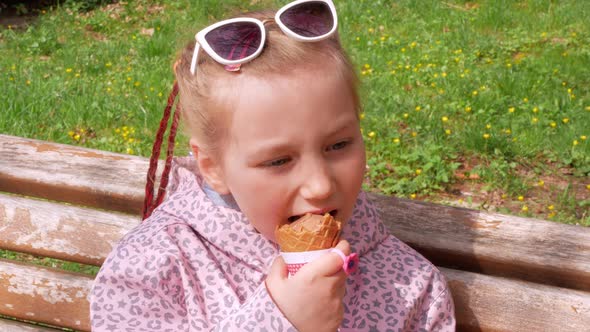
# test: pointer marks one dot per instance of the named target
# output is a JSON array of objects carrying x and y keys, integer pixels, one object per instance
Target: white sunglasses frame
[{"x": 202, "y": 42}]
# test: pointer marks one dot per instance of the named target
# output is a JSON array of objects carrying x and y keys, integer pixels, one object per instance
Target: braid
[{"x": 149, "y": 205}]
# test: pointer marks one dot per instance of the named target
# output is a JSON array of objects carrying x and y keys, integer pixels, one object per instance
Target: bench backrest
[{"x": 506, "y": 273}]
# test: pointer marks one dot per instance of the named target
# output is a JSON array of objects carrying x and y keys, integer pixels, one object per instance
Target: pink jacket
[{"x": 197, "y": 266}]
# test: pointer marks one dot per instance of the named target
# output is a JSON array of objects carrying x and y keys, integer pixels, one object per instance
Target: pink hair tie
[{"x": 350, "y": 262}]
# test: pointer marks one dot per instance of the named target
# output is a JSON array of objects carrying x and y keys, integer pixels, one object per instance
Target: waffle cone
[{"x": 310, "y": 232}]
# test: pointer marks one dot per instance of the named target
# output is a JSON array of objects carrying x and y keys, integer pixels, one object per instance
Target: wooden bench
[{"x": 506, "y": 273}]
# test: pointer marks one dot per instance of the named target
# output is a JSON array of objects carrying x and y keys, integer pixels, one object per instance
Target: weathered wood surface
[
  {"x": 14, "y": 326},
  {"x": 71, "y": 174},
  {"x": 44, "y": 295},
  {"x": 491, "y": 243},
  {"x": 485, "y": 303},
  {"x": 60, "y": 231}
]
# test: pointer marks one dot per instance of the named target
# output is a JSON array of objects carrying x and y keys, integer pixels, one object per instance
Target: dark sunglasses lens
[
  {"x": 235, "y": 41},
  {"x": 309, "y": 19}
]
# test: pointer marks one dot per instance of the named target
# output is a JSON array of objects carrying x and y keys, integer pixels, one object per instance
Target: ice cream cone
[
  {"x": 310, "y": 232},
  {"x": 306, "y": 239}
]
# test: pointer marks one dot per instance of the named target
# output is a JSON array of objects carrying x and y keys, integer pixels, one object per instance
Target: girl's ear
[{"x": 210, "y": 168}]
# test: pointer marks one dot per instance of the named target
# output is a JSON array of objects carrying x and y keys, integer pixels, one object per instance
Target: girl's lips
[{"x": 333, "y": 213}]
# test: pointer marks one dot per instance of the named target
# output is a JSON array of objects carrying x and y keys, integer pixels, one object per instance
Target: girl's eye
[
  {"x": 277, "y": 162},
  {"x": 338, "y": 146}
]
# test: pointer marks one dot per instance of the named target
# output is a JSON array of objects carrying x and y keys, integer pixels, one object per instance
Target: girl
[{"x": 271, "y": 105}]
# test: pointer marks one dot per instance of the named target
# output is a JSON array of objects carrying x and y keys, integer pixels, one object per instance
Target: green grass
[{"x": 490, "y": 96}]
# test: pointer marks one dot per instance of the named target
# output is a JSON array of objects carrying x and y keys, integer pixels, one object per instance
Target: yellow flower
[
  {"x": 486, "y": 136},
  {"x": 403, "y": 49},
  {"x": 588, "y": 186},
  {"x": 535, "y": 109},
  {"x": 367, "y": 66},
  {"x": 71, "y": 133},
  {"x": 68, "y": 70},
  {"x": 507, "y": 131},
  {"x": 414, "y": 134},
  {"x": 576, "y": 142},
  {"x": 468, "y": 109},
  {"x": 587, "y": 108},
  {"x": 553, "y": 124},
  {"x": 362, "y": 116},
  {"x": 565, "y": 120},
  {"x": 488, "y": 126},
  {"x": 541, "y": 183},
  {"x": 551, "y": 207},
  {"x": 504, "y": 196},
  {"x": 129, "y": 151},
  {"x": 137, "y": 83},
  {"x": 418, "y": 108},
  {"x": 372, "y": 134},
  {"x": 444, "y": 74},
  {"x": 371, "y": 30},
  {"x": 448, "y": 131},
  {"x": 475, "y": 92},
  {"x": 418, "y": 171},
  {"x": 444, "y": 119},
  {"x": 396, "y": 140},
  {"x": 525, "y": 99},
  {"x": 28, "y": 82},
  {"x": 525, "y": 208},
  {"x": 108, "y": 64},
  {"x": 521, "y": 198},
  {"x": 509, "y": 65},
  {"x": 511, "y": 110},
  {"x": 535, "y": 120},
  {"x": 583, "y": 137},
  {"x": 77, "y": 137},
  {"x": 413, "y": 44},
  {"x": 551, "y": 214},
  {"x": 406, "y": 115},
  {"x": 413, "y": 196}
]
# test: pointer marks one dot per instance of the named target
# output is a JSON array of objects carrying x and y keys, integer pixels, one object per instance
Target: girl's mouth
[{"x": 291, "y": 219}]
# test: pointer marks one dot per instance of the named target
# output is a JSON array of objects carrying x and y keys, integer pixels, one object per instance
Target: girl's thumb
[{"x": 278, "y": 269}]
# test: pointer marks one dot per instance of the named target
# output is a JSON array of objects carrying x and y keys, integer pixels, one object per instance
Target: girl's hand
[{"x": 312, "y": 299}]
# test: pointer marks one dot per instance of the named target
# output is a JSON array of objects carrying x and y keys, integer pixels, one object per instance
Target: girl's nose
[{"x": 318, "y": 183}]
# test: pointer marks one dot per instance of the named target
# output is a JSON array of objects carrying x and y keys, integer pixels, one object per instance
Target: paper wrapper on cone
[{"x": 306, "y": 239}]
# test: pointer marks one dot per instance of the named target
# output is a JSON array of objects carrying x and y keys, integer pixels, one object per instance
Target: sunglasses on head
[{"x": 239, "y": 40}]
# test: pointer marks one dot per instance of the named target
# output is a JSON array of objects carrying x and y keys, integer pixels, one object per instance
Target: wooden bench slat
[
  {"x": 492, "y": 243},
  {"x": 532, "y": 250},
  {"x": 482, "y": 302},
  {"x": 60, "y": 231},
  {"x": 72, "y": 174},
  {"x": 14, "y": 326},
  {"x": 27, "y": 290},
  {"x": 485, "y": 303}
]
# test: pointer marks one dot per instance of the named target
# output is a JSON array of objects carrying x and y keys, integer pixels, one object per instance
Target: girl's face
[{"x": 295, "y": 147}]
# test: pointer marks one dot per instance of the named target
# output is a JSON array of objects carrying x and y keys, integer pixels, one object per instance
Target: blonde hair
[{"x": 202, "y": 110}]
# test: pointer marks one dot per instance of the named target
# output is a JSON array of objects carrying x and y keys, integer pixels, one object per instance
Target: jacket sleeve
[
  {"x": 439, "y": 314},
  {"x": 141, "y": 289}
]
